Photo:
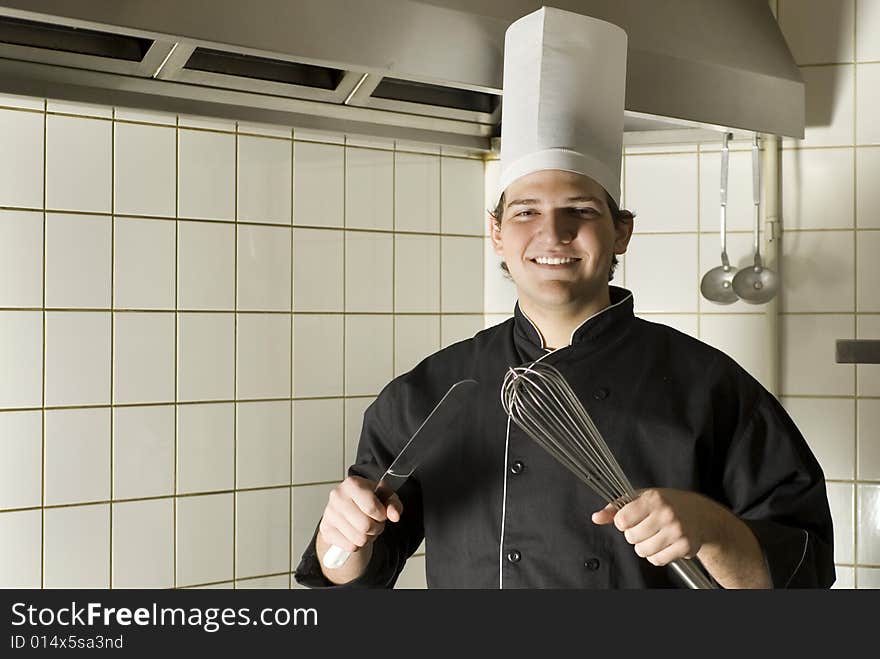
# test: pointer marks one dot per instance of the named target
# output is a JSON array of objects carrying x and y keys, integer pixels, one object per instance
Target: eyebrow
[{"x": 535, "y": 202}]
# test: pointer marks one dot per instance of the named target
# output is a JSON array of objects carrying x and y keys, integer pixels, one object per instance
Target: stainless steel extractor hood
[{"x": 422, "y": 71}]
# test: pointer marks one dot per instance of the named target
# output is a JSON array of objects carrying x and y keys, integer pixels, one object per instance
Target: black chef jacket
[{"x": 497, "y": 511}]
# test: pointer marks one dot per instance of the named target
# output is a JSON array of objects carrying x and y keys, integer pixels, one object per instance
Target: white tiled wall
[{"x": 194, "y": 315}]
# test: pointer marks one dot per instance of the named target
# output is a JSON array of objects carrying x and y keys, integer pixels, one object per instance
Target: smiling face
[{"x": 558, "y": 239}]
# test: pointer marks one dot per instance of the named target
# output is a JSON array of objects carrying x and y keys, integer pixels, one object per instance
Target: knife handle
[{"x": 335, "y": 557}]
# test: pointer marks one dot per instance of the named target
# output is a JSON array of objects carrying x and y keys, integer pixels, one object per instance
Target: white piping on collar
[{"x": 571, "y": 338}]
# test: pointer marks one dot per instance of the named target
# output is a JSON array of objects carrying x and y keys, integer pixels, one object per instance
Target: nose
[{"x": 557, "y": 227}]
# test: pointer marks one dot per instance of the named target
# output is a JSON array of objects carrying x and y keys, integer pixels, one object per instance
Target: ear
[
  {"x": 623, "y": 231},
  {"x": 495, "y": 235}
]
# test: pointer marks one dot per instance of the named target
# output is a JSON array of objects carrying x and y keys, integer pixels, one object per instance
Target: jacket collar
[{"x": 607, "y": 322}]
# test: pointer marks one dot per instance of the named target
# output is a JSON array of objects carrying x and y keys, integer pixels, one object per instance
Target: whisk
[{"x": 540, "y": 401}]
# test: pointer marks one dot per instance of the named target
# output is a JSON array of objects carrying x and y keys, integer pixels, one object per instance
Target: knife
[{"x": 412, "y": 453}]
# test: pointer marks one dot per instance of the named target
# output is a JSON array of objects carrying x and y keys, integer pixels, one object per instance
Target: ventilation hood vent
[{"x": 427, "y": 70}]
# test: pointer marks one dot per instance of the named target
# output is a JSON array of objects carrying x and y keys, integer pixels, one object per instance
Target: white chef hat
[{"x": 564, "y": 89}]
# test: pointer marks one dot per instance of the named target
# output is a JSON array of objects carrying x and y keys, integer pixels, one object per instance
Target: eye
[
  {"x": 586, "y": 211},
  {"x": 526, "y": 213}
]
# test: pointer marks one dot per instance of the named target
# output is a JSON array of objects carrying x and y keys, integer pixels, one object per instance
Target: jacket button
[
  {"x": 517, "y": 468},
  {"x": 513, "y": 556},
  {"x": 592, "y": 564},
  {"x": 600, "y": 394}
]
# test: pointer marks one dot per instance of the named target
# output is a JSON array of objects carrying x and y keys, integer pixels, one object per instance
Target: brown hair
[{"x": 617, "y": 214}]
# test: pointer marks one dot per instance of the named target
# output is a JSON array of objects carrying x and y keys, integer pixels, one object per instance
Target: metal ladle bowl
[
  {"x": 756, "y": 284},
  {"x": 717, "y": 284}
]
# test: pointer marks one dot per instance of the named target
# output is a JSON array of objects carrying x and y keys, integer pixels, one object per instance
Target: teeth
[{"x": 546, "y": 260}]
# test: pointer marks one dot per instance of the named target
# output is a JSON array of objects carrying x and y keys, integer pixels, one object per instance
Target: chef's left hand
[{"x": 664, "y": 524}]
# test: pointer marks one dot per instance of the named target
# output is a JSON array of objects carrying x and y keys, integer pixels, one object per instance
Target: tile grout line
[
  {"x": 290, "y": 345},
  {"x": 440, "y": 254},
  {"x": 44, "y": 324},
  {"x": 176, "y": 345},
  {"x": 855, "y": 300},
  {"x": 235, "y": 387},
  {"x": 393, "y": 264},
  {"x": 110, "y": 411},
  {"x": 699, "y": 252}
]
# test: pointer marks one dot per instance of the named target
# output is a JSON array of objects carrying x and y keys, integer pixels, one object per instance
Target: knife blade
[{"x": 413, "y": 453}]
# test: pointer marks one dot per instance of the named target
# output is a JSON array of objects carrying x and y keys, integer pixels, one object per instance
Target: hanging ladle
[
  {"x": 756, "y": 284},
  {"x": 717, "y": 284}
]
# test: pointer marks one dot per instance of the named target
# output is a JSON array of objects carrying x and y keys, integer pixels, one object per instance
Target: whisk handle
[{"x": 692, "y": 572}]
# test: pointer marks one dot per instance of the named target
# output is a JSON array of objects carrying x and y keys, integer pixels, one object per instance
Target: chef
[{"x": 722, "y": 472}]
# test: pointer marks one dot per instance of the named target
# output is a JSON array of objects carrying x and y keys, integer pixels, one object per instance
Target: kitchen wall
[
  {"x": 831, "y": 278},
  {"x": 194, "y": 315}
]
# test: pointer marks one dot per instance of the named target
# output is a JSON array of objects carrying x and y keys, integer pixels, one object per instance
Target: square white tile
[
  {"x": 77, "y": 460},
  {"x": 309, "y": 502},
  {"x": 81, "y": 109},
  {"x": 662, "y": 191},
  {"x": 21, "y": 259},
  {"x": 205, "y": 447},
  {"x": 868, "y": 274},
  {"x": 829, "y": 101},
  {"x": 808, "y": 365},
  {"x": 840, "y": 499},
  {"x": 143, "y": 357},
  {"x": 206, "y": 175},
  {"x": 740, "y": 200},
  {"x": 204, "y": 539},
  {"x": 844, "y": 577},
  {"x": 318, "y": 440},
  {"x": 413, "y": 575},
  {"x": 263, "y": 532},
  {"x": 492, "y": 171},
  {"x": 318, "y": 185},
  {"x": 263, "y": 356},
  {"x": 145, "y": 170},
  {"x": 278, "y": 582},
  {"x": 683, "y": 322},
  {"x": 265, "y": 130},
  {"x": 461, "y": 196},
  {"x": 461, "y": 275},
  {"x": 207, "y": 123},
  {"x": 369, "y": 271},
  {"x": 416, "y": 273},
  {"x": 143, "y": 262},
  {"x": 21, "y": 159},
  {"x": 867, "y": 30},
  {"x": 828, "y": 425},
  {"x": 145, "y": 116},
  {"x": 819, "y": 271},
  {"x": 741, "y": 337},
  {"x": 78, "y": 260},
  {"x": 415, "y": 337},
  {"x": 869, "y": 524},
  {"x": 20, "y": 561},
  {"x": 500, "y": 291},
  {"x": 322, "y": 136},
  {"x": 354, "y": 422},
  {"x": 78, "y": 157},
  {"x": 810, "y": 177},
  {"x": 264, "y": 179},
  {"x": 740, "y": 253},
  {"x": 867, "y": 193},
  {"x": 143, "y": 452},
  {"x": 205, "y": 265},
  {"x": 318, "y": 344},
  {"x": 369, "y": 141},
  {"x": 263, "y": 268},
  {"x": 869, "y": 577},
  {"x": 369, "y": 352},
  {"x": 77, "y": 547},
  {"x": 143, "y": 544},
  {"x": 21, "y": 353},
  {"x": 869, "y": 439},
  {"x": 868, "y": 375},
  {"x": 458, "y": 328},
  {"x": 417, "y": 147},
  {"x": 77, "y": 358},
  {"x": 676, "y": 257},
  {"x": 369, "y": 188},
  {"x": 318, "y": 269},
  {"x": 818, "y": 31},
  {"x": 263, "y": 444},
  {"x": 21, "y": 459},
  {"x": 205, "y": 356},
  {"x": 867, "y": 103},
  {"x": 24, "y": 102},
  {"x": 416, "y": 192}
]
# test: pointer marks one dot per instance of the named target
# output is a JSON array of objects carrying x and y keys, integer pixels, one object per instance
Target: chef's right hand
[{"x": 355, "y": 516}]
